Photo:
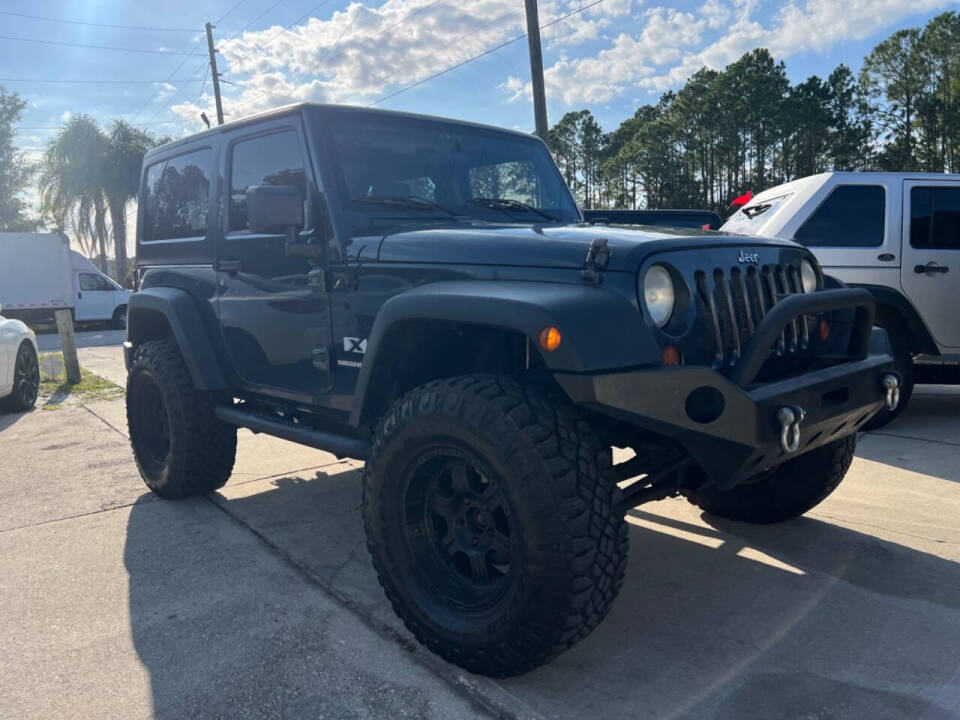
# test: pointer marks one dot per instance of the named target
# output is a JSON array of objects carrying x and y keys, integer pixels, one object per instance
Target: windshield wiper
[
  {"x": 409, "y": 201},
  {"x": 508, "y": 204}
]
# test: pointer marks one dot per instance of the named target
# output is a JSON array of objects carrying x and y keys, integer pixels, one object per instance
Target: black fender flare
[
  {"x": 187, "y": 328},
  {"x": 893, "y": 305},
  {"x": 601, "y": 329}
]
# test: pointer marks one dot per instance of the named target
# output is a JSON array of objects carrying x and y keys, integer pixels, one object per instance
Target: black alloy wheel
[
  {"x": 457, "y": 529},
  {"x": 26, "y": 379}
]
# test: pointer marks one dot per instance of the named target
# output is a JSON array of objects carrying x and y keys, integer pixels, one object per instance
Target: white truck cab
[
  {"x": 897, "y": 234},
  {"x": 97, "y": 297}
]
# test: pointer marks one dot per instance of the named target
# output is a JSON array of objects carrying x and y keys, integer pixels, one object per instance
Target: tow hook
[
  {"x": 790, "y": 419},
  {"x": 891, "y": 385}
]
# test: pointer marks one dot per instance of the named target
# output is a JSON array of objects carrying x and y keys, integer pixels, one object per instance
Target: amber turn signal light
[
  {"x": 550, "y": 338},
  {"x": 824, "y": 330},
  {"x": 671, "y": 356}
]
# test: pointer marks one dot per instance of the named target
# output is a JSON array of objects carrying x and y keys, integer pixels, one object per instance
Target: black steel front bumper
[{"x": 729, "y": 425}]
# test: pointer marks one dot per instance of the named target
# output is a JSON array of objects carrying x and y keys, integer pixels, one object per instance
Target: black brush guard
[{"x": 729, "y": 424}]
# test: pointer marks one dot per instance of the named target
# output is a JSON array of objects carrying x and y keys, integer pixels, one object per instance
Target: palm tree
[
  {"x": 71, "y": 180},
  {"x": 87, "y": 174},
  {"x": 121, "y": 180}
]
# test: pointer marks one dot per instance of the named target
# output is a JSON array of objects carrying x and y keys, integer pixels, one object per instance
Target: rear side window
[
  {"x": 266, "y": 160},
  {"x": 851, "y": 216},
  {"x": 176, "y": 195},
  {"x": 935, "y": 218}
]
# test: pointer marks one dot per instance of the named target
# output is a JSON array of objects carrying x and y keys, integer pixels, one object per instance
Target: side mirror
[{"x": 274, "y": 209}]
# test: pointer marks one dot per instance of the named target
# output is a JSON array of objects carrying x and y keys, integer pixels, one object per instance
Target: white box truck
[{"x": 40, "y": 274}]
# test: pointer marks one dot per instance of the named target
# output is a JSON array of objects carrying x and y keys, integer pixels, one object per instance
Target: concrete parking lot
[{"x": 260, "y": 600}]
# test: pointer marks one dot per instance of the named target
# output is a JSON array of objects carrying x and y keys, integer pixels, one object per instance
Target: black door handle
[
  {"x": 231, "y": 267},
  {"x": 930, "y": 268}
]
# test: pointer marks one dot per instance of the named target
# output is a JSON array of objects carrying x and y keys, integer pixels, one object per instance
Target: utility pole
[
  {"x": 215, "y": 76},
  {"x": 536, "y": 69}
]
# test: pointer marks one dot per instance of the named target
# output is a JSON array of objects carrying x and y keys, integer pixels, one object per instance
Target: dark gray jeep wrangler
[{"x": 424, "y": 295}]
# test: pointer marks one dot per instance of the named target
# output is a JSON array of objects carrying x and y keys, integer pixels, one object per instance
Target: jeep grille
[{"x": 736, "y": 299}]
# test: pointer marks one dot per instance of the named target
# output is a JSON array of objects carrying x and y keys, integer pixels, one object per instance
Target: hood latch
[{"x": 597, "y": 257}]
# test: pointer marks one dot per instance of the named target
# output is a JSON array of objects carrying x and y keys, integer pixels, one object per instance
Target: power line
[
  {"x": 93, "y": 24},
  {"x": 483, "y": 54},
  {"x": 94, "y": 47},
  {"x": 259, "y": 48},
  {"x": 235, "y": 6},
  {"x": 110, "y": 81},
  {"x": 56, "y": 127}
]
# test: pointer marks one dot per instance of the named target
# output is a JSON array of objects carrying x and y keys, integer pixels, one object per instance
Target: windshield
[{"x": 417, "y": 167}]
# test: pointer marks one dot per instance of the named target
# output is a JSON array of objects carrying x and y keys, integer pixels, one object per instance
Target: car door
[
  {"x": 930, "y": 272},
  {"x": 95, "y": 297},
  {"x": 7, "y": 341},
  {"x": 273, "y": 308},
  {"x": 853, "y": 231}
]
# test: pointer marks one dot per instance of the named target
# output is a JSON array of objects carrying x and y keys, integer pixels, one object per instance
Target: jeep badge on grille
[{"x": 748, "y": 257}]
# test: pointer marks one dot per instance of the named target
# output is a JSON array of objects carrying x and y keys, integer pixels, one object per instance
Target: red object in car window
[{"x": 743, "y": 199}]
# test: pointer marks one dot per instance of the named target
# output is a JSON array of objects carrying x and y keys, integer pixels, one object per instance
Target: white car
[
  {"x": 19, "y": 365},
  {"x": 895, "y": 234}
]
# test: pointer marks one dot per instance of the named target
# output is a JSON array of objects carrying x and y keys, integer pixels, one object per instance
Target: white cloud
[
  {"x": 671, "y": 41},
  {"x": 65, "y": 115},
  {"x": 715, "y": 12}
]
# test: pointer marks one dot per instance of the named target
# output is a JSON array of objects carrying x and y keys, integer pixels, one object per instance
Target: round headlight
[
  {"x": 659, "y": 294},
  {"x": 808, "y": 276}
]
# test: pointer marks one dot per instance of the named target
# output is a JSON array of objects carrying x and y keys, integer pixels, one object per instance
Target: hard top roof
[{"x": 300, "y": 107}]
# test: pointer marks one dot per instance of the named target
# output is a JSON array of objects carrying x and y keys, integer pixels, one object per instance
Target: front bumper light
[{"x": 659, "y": 294}]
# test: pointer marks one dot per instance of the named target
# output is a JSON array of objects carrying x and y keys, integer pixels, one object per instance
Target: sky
[{"x": 416, "y": 55}]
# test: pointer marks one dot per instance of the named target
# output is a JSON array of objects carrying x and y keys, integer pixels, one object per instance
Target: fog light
[{"x": 550, "y": 338}]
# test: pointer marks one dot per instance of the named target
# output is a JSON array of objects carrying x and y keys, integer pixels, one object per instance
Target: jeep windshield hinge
[{"x": 596, "y": 262}]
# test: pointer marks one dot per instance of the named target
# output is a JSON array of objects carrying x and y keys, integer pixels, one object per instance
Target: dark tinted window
[
  {"x": 89, "y": 281},
  {"x": 935, "y": 218},
  {"x": 392, "y": 166},
  {"x": 267, "y": 160},
  {"x": 177, "y": 192},
  {"x": 852, "y": 216}
]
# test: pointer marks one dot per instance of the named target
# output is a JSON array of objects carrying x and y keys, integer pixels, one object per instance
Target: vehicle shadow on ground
[
  {"x": 934, "y": 420},
  {"x": 7, "y": 418},
  {"x": 725, "y": 620}
]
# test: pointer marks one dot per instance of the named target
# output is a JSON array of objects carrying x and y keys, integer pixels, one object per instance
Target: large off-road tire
[
  {"x": 26, "y": 381},
  {"x": 180, "y": 447},
  {"x": 904, "y": 365},
  {"x": 490, "y": 511},
  {"x": 784, "y": 492}
]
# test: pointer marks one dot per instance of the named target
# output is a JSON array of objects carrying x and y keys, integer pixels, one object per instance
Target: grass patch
[{"x": 55, "y": 391}]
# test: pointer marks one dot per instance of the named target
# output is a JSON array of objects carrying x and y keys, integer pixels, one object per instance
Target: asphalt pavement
[{"x": 260, "y": 600}]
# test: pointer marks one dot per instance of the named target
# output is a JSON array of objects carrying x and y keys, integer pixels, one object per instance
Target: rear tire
[
  {"x": 180, "y": 447},
  {"x": 787, "y": 491},
  {"x": 490, "y": 511},
  {"x": 903, "y": 360},
  {"x": 26, "y": 381}
]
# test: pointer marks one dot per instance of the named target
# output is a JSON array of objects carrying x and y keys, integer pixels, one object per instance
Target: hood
[{"x": 553, "y": 245}]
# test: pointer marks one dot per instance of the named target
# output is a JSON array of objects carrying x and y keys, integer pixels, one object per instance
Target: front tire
[
  {"x": 119, "y": 321},
  {"x": 26, "y": 381},
  {"x": 490, "y": 511},
  {"x": 180, "y": 447},
  {"x": 784, "y": 492}
]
